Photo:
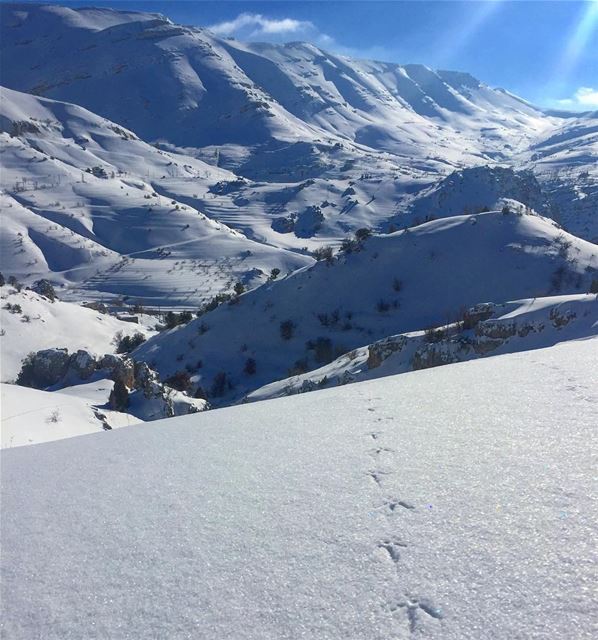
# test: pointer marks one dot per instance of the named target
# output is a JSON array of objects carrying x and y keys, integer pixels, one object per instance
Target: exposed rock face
[
  {"x": 498, "y": 330},
  {"x": 124, "y": 370},
  {"x": 137, "y": 388},
  {"x": 44, "y": 288},
  {"x": 119, "y": 397},
  {"x": 561, "y": 318},
  {"x": 44, "y": 368},
  {"x": 476, "y": 314},
  {"x": 82, "y": 365},
  {"x": 432, "y": 355},
  {"x": 147, "y": 380},
  {"x": 379, "y": 351}
]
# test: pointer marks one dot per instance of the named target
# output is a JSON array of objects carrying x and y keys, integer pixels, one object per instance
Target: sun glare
[{"x": 580, "y": 38}]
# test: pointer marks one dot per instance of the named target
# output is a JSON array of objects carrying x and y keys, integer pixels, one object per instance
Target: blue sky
[{"x": 545, "y": 51}]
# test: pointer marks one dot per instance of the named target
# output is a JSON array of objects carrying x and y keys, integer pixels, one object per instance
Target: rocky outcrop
[
  {"x": 561, "y": 317},
  {"x": 433, "y": 355},
  {"x": 496, "y": 329},
  {"x": 121, "y": 368},
  {"x": 379, "y": 351},
  {"x": 137, "y": 388},
  {"x": 82, "y": 365},
  {"x": 44, "y": 368}
]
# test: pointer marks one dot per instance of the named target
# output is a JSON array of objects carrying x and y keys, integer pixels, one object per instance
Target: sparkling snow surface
[{"x": 447, "y": 503}]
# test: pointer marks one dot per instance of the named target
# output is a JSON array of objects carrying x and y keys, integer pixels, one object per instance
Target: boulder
[
  {"x": 82, "y": 365},
  {"x": 44, "y": 368}
]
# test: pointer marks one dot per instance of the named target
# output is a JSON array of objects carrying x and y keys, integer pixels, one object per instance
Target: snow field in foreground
[{"x": 447, "y": 503}]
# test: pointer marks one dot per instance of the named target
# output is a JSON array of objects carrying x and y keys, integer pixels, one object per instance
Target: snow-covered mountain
[
  {"x": 406, "y": 281},
  {"x": 194, "y": 89},
  {"x": 80, "y": 204},
  {"x": 411, "y": 506}
]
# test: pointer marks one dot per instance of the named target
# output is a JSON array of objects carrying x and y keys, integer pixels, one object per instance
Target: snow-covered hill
[
  {"x": 80, "y": 205},
  {"x": 397, "y": 283},
  {"x": 405, "y": 507},
  {"x": 31, "y": 416},
  {"x": 31, "y": 322},
  {"x": 485, "y": 330}
]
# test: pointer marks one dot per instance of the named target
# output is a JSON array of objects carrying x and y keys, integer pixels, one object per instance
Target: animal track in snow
[
  {"x": 392, "y": 549},
  {"x": 378, "y": 451},
  {"x": 377, "y": 475},
  {"x": 417, "y": 610},
  {"x": 393, "y": 503},
  {"x": 414, "y": 609}
]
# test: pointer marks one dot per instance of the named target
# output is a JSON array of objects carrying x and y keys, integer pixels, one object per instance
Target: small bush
[
  {"x": 382, "y": 306},
  {"x": 126, "y": 344},
  {"x": 2, "y": 279},
  {"x": 362, "y": 234},
  {"x": 435, "y": 334},
  {"x": 54, "y": 416},
  {"x": 299, "y": 367},
  {"x": 26, "y": 376},
  {"x": 172, "y": 319},
  {"x": 220, "y": 385},
  {"x": 13, "y": 308},
  {"x": 397, "y": 285},
  {"x": 213, "y": 303},
  {"x": 98, "y": 172},
  {"x": 287, "y": 329},
  {"x": 324, "y": 254},
  {"x": 239, "y": 288},
  {"x": 181, "y": 381},
  {"x": 594, "y": 286},
  {"x": 349, "y": 245},
  {"x": 13, "y": 282},
  {"x": 274, "y": 273},
  {"x": 250, "y": 367}
]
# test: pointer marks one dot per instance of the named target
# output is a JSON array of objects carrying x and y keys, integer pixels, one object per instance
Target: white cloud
[
  {"x": 255, "y": 25},
  {"x": 583, "y": 98},
  {"x": 587, "y": 96}
]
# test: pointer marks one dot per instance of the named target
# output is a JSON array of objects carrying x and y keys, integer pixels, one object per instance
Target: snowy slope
[
  {"x": 397, "y": 283},
  {"x": 522, "y": 325},
  {"x": 42, "y": 324},
  {"x": 114, "y": 232},
  {"x": 565, "y": 162},
  {"x": 30, "y": 416},
  {"x": 406, "y": 507}
]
